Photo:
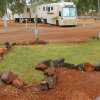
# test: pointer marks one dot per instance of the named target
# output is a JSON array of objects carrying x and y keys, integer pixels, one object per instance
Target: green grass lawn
[{"x": 22, "y": 59}]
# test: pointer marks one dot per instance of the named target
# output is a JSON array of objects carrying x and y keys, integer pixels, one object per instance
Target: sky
[{"x": 27, "y": 1}]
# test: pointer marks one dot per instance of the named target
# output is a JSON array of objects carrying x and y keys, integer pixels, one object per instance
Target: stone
[
  {"x": 4, "y": 50},
  {"x": 1, "y": 74},
  {"x": 38, "y": 42},
  {"x": 70, "y": 66},
  {"x": 24, "y": 43},
  {"x": 18, "y": 83},
  {"x": 41, "y": 67},
  {"x": 59, "y": 62},
  {"x": 80, "y": 67},
  {"x": 51, "y": 82},
  {"x": 48, "y": 62},
  {"x": 7, "y": 43},
  {"x": 8, "y": 47},
  {"x": 89, "y": 67},
  {"x": 42, "y": 42},
  {"x": 31, "y": 43},
  {"x": 1, "y": 51},
  {"x": 13, "y": 44},
  {"x": 8, "y": 77},
  {"x": 1, "y": 58},
  {"x": 42, "y": 86},
  {"x": 18, "y": 44},
  {"x": 51, "y": 72},
  {"x": 97, "y": 67}
]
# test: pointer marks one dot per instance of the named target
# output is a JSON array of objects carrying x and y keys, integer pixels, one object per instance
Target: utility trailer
[{"x": 60, "y": 14}]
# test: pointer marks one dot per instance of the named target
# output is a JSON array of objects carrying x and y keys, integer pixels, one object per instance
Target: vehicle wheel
[
  {"x": 45, "y": 21},
  {"x": 57, "y": 23}
]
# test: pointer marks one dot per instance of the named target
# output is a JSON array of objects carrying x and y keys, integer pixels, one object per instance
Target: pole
[{"x": 36, "y": 24}]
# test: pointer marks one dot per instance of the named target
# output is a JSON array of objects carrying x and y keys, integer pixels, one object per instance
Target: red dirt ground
[
  {"x": 53, "y": 34},
  {"x": 71, "y": 85}
]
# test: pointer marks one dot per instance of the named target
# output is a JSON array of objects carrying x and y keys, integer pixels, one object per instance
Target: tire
[
  {"x": 57, "y": 23},
  {"x": 45, "y": 21}
]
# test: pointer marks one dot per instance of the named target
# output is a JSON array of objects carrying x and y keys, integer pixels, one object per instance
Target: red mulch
[{"x": 71, "y": 85}]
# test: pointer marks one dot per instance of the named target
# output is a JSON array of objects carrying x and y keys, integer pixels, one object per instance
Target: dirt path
[
  {"x": 18, "y": 33},
  {"x": 71, "y": 85}
]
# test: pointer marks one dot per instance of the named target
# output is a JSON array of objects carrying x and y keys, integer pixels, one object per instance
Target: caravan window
[
  {"x": 68, "y": 12},
  {"x": 43, "y": 8},
  {"x": 72, "y": 12},
  {"x": 65, "y": 12},
  {"x": 51, "y": 8},
  {"x": 48, "y": 9}
]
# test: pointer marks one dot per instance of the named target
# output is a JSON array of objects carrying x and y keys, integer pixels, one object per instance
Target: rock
[
  {"x": 18, "y": 44},
  {"x": 42, "y": 86},
  {"x": 70, "y": 66},
  {"x": 41, "y": 67},
  {"x": 46, "y": 42},
  {"x": 31, "y": 43},
  {"x": 8, "y": 77},
  {"x": 97, "y": 67},
  {"x": 51, "y": 82},
  {"x": 59, "y": 62},
  {"x": 1, "y": 51},
  {"x": 80, "y": 67},
  {"x": 7, "y": 43},
  {"x": 8, "y": 47},
  {"x": 18, "y": 83},
  {"x": 1, "y": 58},
  {"x": 48, "y": 63},
  {"x": 4, "y": 50},
  {"x": 51, "y": 72},
  {"x": 24, "y": 43},
  {"x": 13, "y": 44},
  {"x": 1, "y": 74},
  {"x": 38, "y": 42},
  {"x": 89, "y": 67},
  {"x": 42, "y": 42}
]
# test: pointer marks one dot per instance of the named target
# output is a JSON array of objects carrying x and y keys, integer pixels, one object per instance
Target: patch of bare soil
[
  {"x": 71, "y": 85},
  {"x": 16, "y": 32}
]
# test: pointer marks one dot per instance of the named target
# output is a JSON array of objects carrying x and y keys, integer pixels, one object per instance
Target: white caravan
[
  {"x": 27, "y": 14},
  {"x": 60, "y": 14}
]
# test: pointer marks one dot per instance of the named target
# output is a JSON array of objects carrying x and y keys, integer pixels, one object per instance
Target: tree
[
  {"x": 99, "y": 7},
  {"x": 36, "y": 3},
  {"x": 16, "y": 6}
]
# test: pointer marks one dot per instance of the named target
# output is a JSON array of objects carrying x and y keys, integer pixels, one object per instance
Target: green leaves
[{"x": 15, "y": 5}]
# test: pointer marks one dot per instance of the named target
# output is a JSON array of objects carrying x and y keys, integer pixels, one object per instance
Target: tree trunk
[
  {"x": 30, "y": 16},
  {"x": 99, "y": 8},
  {"x": 5, "y": 17},
  {"x": 36, "y": 24}
]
